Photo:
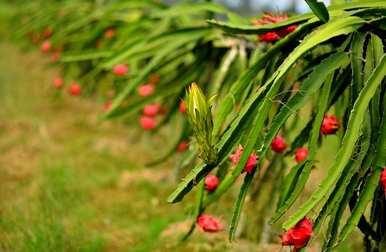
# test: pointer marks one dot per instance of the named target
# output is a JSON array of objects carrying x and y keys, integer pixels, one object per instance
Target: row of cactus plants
[{"x": 267, "y": 88}]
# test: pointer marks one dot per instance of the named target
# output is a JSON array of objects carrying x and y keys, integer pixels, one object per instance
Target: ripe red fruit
[
  {"x": 151, "y": 109},
  {"x": 46, "y": 46},
  {"x": 209, "y": 223},
  {"x": 330, "y": 125},
  {"x": 146, "y": 90},
  {"x": 107, "y": 106},
  {"x": 120, "y": 69},
  {"x": 272, "y": 36},
  {"x": 286, "y": 30},
  {"x": 211, "y": 183},
  {"x": 147, "y": 122},
  {"x": 251, "y": 162},
  {"x": 269, "y": 36},
  {"x": 235, "y": 157},
  {"x": 58, "y": 82},
  {"x": 182, "y": 146},
  {"x": 109, "y": 33},
  {"x": 299, "y": 235},
  {"x": 74, "y": 89},
  {"x": 182, "y": 107},
  {"x": 383, "y": 179},
  {"x": 278, "y": 144},
  {"x": 291, "y": 28},
  {"x": 301, "y": 154}
]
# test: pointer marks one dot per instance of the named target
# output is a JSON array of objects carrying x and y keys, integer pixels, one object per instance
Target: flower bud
[{"x": 200, "y": 118}]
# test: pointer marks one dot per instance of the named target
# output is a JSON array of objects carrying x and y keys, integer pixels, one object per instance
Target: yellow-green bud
[{"x": 200, "y": 118}]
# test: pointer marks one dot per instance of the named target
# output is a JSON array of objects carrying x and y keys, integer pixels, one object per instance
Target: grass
[
  {"x": 60, "y": 169},
  {"x": 69, "y": 182}
]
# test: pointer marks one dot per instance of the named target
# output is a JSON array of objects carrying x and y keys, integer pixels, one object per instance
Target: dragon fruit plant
[
  {"x": 114, "y": 47},
  {"x": 332, "y": 60},
  {"x": 266, "y": 89}
]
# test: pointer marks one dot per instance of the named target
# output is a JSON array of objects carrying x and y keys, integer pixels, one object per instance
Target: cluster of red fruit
[
  {"x": 272, "y": 36},
  {"x": 145, "y": 89},
  {"x": 206, "y": 222},
  {"x": 37, "y": 37},
  {"x": 296, "y": 236},
  {"x": 46, "y": 46},
  {"x": 147, "y": 119},
  {"x": 150, "y": 111},
  {"x": 74, "y": 88},
  {"x": 251, "y": 162},
  {"x": 330, "y": 125}
]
